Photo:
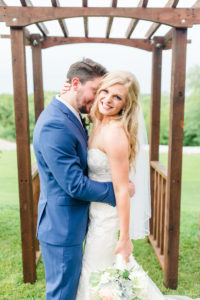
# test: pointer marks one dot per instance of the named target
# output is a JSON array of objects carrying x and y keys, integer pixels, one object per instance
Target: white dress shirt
[{"x": 73, "y": 110}]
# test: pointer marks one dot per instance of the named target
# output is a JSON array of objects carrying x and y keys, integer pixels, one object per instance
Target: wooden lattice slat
[
  {"x": 110, "y": 20},
  {"x": 85, "y": 4},
  {"x": 43, "y": 29},
  {"x": 62, "y": 23},
  {"x": 134, "y": 22}
]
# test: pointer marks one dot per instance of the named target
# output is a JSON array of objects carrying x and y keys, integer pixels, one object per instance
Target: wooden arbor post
[
  {"x": 172, "y": 219},
  {"x": 155, "y": 114},
  {"x": 23, "y": 153},
  {"x": 37, "y": 75},
  {"x": 39, "y": 106}
]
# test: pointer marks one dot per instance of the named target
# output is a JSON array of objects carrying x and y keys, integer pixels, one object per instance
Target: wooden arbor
[{"x": 165, "y": 183}]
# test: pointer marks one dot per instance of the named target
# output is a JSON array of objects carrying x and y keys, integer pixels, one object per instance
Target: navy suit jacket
[{"x": 60, "y": 146}]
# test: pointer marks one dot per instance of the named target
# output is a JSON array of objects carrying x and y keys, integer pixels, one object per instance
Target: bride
[
  {"x": 112, "y": 152},
  {"x": 117, "y": 153}
]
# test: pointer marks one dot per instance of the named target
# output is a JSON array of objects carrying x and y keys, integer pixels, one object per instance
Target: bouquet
[{"x": 124, "y": 281}]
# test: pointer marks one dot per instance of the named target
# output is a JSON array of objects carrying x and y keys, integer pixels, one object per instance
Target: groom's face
[{"x": 86, "y": 93}]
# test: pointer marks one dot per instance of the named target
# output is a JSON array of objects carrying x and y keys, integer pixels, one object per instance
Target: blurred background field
[
  {"x": 192, "y": 112},
  {"x": 11, "y": 284}
]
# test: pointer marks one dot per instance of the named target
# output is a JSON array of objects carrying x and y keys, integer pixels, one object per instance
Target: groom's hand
[
  {"x": 131, "y": 189},
  {"x": 66, "y": 87}
]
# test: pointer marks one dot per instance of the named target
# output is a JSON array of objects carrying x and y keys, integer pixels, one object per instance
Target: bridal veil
[{"x": 140, "y": 203}]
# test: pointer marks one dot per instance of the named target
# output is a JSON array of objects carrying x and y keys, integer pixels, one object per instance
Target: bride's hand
[
  {"x": 125, "y": 248},
  {"x": 66, "y": 87}
]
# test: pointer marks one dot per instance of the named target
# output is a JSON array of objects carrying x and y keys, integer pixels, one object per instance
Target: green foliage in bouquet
[{"x": 120, "y": 282}]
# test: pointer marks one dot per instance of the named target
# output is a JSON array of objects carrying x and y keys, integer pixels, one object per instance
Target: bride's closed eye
[{"x": 104, "y": 91}]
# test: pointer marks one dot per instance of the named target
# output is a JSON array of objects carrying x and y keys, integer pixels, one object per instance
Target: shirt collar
[{"x": 73, "y": 110}]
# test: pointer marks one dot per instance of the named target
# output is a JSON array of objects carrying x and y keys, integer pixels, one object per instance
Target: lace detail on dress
[
  {"x": 98, "y": 165},
  {"x": 102, "y": 232},
  {"x": 103, "y": 227}
]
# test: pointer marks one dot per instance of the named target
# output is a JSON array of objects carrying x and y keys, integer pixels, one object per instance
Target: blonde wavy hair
[{"x": 129, "y": 115}]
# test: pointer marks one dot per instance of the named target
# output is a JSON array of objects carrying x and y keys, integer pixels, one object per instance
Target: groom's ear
[{"x": 75, "y": 83}]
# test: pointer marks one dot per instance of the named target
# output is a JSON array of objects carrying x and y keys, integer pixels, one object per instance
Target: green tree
[{"x": 192, "y": 108}]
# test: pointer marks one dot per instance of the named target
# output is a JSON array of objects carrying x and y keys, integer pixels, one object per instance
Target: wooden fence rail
[{"x": 158, "y": 191}]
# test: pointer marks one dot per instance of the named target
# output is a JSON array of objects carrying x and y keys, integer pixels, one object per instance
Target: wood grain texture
[
  {"x": 154, "y": 27},
  {"x": 23, "y": 16},
  {"x": 23, "y": 154},
  {"x": 134, "y": 22},
  {"x": 37, "y": 75},
  {"x": 137, "y": 43},
  {"x": 155, "y": 101},
  {"x": 173, "y": 196}
]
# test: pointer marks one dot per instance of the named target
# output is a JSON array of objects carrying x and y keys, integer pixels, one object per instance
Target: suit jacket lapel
[{"x": 70, "y": 115}]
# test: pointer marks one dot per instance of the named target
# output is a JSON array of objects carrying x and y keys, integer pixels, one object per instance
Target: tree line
[{"x": 191, "y": 116}]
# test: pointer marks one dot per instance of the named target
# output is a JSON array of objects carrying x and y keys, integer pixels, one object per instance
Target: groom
[{"x": 60, "y": 145}]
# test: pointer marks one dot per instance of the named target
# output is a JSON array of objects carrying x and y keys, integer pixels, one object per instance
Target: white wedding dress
[{"x": 102, "y": 233}]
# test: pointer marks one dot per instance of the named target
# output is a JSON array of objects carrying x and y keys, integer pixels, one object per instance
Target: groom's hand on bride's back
[{"x": 131, "y": 189}]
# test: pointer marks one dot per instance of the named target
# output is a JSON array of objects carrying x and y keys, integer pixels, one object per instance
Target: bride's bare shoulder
[{"x": 115, "y": 137}]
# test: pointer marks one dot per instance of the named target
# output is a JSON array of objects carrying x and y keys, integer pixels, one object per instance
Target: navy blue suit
[{"x": 60, "y": 146}]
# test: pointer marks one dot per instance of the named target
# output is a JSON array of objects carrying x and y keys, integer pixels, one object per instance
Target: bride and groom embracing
[{"x": 85, "y": 184}]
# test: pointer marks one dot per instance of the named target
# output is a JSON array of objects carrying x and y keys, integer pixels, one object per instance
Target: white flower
[
  {"x": 120, "y": 262},
  {"x": 125, "y": 281},
  {"x": 105, "y": 277}
]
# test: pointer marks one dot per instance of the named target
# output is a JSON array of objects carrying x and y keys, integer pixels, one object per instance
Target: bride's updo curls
[{"x": 129, "y": 114}]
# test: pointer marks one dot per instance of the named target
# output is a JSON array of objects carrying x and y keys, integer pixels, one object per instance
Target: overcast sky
[{"x": 56, "y": 60}]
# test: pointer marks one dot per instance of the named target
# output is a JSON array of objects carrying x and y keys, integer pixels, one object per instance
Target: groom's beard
[
  {"x": 83, "y": 110},
  {"x": 82, "y": 105}
]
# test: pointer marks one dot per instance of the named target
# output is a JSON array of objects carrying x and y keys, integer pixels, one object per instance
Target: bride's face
[{"x": 112, "y": 99}]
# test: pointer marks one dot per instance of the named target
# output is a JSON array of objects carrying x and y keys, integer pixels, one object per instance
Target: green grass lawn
[{"x": 11, "y": 284}]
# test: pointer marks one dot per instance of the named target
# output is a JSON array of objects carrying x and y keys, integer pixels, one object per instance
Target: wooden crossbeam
[
  {"x": 22, "y": 16},
  {"x": 168, "y": 35},
  {"x": 7, "y": 36},
  {"x": 43, "y": 29},
  {"x": 50, "y": 41},
  {"x": 155, "y": 26},
  {"x": 62, "y": 23},
  {"x": 134, "y": 22},
  {"x": 85, "y": 4},
  {"x": 110, "y": 20}
]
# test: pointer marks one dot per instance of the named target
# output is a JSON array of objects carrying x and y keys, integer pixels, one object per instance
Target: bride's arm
[{"x": 116, "y": 147}]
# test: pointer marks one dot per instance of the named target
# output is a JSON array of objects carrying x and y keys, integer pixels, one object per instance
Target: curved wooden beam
[
  {"x": 143, "y": 44},
  {"x": 23, "y": 16},
  {"x": 43, "y": 29},
  {"x": 154, "y": 27}
]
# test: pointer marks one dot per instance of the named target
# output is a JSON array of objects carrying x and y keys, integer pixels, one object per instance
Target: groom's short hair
[{"x": 86, "y": 70}]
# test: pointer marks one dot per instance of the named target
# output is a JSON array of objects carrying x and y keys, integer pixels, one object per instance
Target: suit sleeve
[{"x": 58, "y": 148}]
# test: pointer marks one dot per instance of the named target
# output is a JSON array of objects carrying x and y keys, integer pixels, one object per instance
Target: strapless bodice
[
  {"x": 98, "y": 165},
  {"x": 99, "y": 170}
]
